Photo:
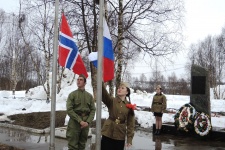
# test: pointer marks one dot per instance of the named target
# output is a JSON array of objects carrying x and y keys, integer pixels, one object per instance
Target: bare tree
[
  {"x": 204, "y": 55},
  {"x": 220, "y": 57},
  {"x": 183, "y": 87},
  {"x": 143, "y": 80},
  {"x": 13, "y": 45},
  {"x": 172, "y": 84},
  {"x": 40, "y": 28},
  {"x": 16, "y": 71},
  {"x": 148, "y": 25},
  {"x": 209, "y": 54},
  {"x": 3, "y": 62},
  {"x": 159, "y": 20},
  {"x": 2, "y": 21}
]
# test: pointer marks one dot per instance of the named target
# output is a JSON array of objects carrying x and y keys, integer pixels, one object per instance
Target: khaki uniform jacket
[
  {"x": 117, "y": 110},
  {"x": 159, "y": 103},
  {"x": 80, "y": 102}
]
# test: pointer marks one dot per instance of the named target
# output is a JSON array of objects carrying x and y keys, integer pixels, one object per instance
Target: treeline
[
  {"x": 210, "y": 54},
  {"x": 170, "y": 85},
  {"x": 136, "y": 27},
  {"x": 26, "y": 37}
]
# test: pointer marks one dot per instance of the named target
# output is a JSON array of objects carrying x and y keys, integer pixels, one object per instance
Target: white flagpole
[
  {"x": 54, "y": 78},
  {"x": 99, "y": 76}
]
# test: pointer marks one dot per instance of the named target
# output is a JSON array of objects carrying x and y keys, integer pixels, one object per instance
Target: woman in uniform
[
  {"x": 120, "y": 124},
  {"x": 158, "y": 107}
]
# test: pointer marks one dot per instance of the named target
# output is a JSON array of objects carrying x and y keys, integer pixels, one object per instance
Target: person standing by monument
[
  {"x": 81, "y": 110},
  {"x": 158, "y": 107}
]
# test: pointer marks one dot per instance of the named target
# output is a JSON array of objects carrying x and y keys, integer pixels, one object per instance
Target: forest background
[{"x": 150, "y": 30}]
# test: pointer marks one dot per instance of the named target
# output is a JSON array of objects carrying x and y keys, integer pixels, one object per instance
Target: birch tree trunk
[
  {"x": 120, "y": 45},
  {"x": 94, "y": 81},
  {"x": 14, "y": 74},
  {"x": 93, "y": 48},
  {"x": 47, "y": 50},
  {"x": 13, "y": 43},
  {"x": 60, "y": 76}
]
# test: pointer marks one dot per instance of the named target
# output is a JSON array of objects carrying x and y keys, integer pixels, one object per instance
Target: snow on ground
[{"x": 35, "y": 101}]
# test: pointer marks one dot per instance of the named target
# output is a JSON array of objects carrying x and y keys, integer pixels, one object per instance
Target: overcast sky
[{"x": 202, "y": 18}]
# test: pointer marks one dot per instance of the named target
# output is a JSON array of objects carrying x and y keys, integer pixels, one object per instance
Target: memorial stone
[{"x": 200, "y": 95}]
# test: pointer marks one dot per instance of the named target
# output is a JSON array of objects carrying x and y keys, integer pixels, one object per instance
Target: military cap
[{"x": 125, "y": 84}]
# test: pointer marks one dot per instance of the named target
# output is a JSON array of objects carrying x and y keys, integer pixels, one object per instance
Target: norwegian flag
[{"x": 69, "y": 55}]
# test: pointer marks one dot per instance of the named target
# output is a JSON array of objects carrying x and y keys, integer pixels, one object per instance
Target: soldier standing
[
  {"x": 81, "y": 110},
  {"x": 120, "y": 124},
  {"x": 158, "y": 107}
]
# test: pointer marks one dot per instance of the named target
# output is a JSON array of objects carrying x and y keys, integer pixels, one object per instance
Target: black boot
[
  {"x": 156, "y": 132},
  {"x": 159, "y": 132}
]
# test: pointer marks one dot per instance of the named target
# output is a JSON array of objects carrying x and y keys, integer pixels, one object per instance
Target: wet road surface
[{"x": 143, "y": 140}]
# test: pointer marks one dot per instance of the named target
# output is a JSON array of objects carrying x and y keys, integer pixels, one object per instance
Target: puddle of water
[
  {"x": 31, "y": 141},
  {"x": 143, "y": 140},
  {"x": 147, "y": 141}
]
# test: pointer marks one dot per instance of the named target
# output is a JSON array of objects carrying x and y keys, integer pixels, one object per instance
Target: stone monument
[{"x": 200, "y": 94}]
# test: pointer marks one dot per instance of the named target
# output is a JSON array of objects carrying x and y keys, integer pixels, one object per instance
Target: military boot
[
  {"x": 159, "y": 132},
  {"x": 156, "y": 131}
]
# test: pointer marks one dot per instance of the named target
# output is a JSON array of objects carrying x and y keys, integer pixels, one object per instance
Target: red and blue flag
[{"x": 69, "y": 55}]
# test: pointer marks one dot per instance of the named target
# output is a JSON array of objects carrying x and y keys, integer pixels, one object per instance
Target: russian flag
[
  {"x": 108, "y": 55},
  {"x": 69, "y": 55}
]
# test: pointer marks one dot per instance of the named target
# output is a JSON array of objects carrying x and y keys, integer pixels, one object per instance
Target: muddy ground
[
  {"x": 6, "y": 147},
  {"x": 38, "y": 120}
]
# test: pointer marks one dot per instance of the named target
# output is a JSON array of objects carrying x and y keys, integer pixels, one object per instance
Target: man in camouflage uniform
[{"x": 81, "y": 110}]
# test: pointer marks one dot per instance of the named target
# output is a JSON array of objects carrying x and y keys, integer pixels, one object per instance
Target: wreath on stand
[
  {"x": 184, "y": 118},
  {"x": 202, "y": 124}
]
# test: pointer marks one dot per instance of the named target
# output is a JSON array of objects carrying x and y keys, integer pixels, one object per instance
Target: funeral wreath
[
  {"x": 184, "y": 118},
  {"x": 202, "y": 124}
]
